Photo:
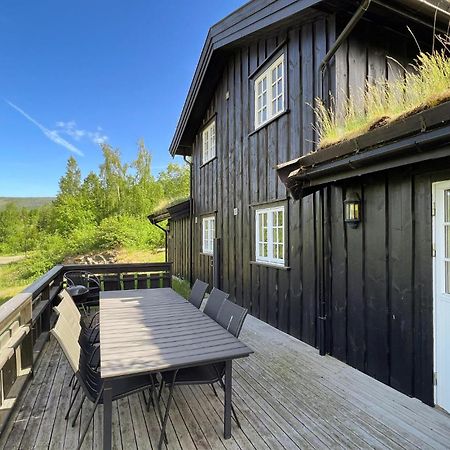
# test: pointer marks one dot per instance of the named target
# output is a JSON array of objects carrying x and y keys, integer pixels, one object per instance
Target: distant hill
[{"x": 25, "y": 202}]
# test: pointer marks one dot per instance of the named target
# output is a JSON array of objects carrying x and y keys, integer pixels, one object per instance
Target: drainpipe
[
  {"x": 165, "y": 238},
  {"x": 322, "y": 68},
  {"x": 191, "y": 227},
  {"x": 363, "y": 7}
]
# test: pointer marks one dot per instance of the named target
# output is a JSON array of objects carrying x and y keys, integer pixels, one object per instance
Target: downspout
[
  {"x": 323, "y": 302},
  {"x": 165, "y": 237},
  {"x": 363, "y": 7},
  {"x": 191, "y": 227}
]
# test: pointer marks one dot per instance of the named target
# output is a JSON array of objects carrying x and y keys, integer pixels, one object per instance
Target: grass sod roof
[
  {"x": 426, "y": 84},
  {"x": 170, "y": 210},
  {"x": 421, "y": 136}
]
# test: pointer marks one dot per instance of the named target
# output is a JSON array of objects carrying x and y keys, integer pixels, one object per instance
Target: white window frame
[
  {"x": 208, "y": 234},
  {"x": 272, "y": 240},
  {"x": 271, "y": 97},
  {"x": 209, "y": 142}
]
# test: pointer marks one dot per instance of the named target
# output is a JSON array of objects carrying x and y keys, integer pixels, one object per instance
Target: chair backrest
[
  {"x": 68, "y": 342},
  {"x": 81, "y": 278},
  {"x": 198, "y": 292},
  {"x": 69, "y": 311},
  {"x": 67, "y": 302},
  {"x": 231, "y": 316},
  {"x": 214, "y": 302}
]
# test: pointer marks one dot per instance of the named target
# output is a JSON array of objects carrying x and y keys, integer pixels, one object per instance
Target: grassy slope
[
  {"x": 11, "y": 283},
  {"x": 25, "y": 202}
]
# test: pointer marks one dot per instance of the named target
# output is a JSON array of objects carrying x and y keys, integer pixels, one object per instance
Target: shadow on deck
[{"x": 287, "y": 396}]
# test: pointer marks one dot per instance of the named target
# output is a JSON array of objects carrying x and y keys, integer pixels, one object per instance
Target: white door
[{"x": 441, "y": 193}]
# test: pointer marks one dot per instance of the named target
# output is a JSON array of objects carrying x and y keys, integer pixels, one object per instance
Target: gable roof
[{"x": 251, "y": 18}]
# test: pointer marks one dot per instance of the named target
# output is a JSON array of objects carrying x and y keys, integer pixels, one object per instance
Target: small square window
[
  {"x": 270, "y": 235},
  {"x": 208, "y": 235},
  {"x": 209, "y": 142}
]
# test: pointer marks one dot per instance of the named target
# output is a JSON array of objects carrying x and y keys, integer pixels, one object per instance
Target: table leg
[
  {"x": 227, "y": 405},
  {"x": 107, "y": 415}
]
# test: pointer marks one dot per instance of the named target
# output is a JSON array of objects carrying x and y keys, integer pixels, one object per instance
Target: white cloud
[
  {"x": 70, "y": 129},
  {"x": 53, "y": 135}
]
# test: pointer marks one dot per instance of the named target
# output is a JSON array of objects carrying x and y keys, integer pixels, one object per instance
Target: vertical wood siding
[
  {"x": 374, "y": 282},
  {"x": 243, "y": 175},
  {"x": 381, "y": 296},
  {"x": 179, "y": 247}
]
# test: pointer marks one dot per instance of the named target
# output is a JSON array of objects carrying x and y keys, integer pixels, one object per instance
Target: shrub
[{"x": 130, "y": 232}]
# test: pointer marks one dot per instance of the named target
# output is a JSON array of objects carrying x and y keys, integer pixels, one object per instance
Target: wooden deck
[{"x": 286, "y": 395}]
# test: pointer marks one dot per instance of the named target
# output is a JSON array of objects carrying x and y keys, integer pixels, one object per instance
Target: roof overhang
[
  {"x": 421, "y": 137},
  {"x": 246, "y": 21},
  {"x": 176, "y": 210},
  {"x": 257, "y": 17}
]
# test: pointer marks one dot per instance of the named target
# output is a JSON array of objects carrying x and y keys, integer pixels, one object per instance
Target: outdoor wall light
[{"x": 352, "y": 209}]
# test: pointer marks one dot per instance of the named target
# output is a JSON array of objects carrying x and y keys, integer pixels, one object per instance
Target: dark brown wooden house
[{"x": 365, "y": 295}]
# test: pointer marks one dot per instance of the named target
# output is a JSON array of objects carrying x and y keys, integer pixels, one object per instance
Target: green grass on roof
[{"x": 426, "y": 86}]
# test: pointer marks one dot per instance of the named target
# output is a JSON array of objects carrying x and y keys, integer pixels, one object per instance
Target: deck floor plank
[
  {"x": 12, "y": 436},
  {"x": 246, "y": 437},
  {"x": 59, "y": 425},
  {"x": 332, "y": 379},
  {"x": 44, "y": 435},
  {"x": 286, "y": 396},
  {"x": 340, "y": 423}
]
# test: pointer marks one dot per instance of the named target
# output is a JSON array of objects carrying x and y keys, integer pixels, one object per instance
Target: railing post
[
  {"x": 45, "y": 321},
  {"x": 26, "y": 348}
]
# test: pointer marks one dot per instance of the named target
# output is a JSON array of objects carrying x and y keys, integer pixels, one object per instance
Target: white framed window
[
  {"x": 208, "y": 234},
  {"x": 209, "y": 142},
  {"x": 270, "y": 235},
  {"x": 269, "y": 93}
]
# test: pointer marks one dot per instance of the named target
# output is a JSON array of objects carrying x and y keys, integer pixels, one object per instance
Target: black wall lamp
[{"x": 352, "y": 209}]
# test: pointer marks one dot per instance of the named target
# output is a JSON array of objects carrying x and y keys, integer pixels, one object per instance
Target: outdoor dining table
[{"x": 156, "y": 330}]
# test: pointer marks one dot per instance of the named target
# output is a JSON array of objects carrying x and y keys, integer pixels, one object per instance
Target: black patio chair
[
  {"x": 197, "y": 293},
  {"x": 89, "y": 380},
  {"x": 231, "y": 317},
  {"x": 75, "y": 280},
  {"x": 214, "y": 302}
]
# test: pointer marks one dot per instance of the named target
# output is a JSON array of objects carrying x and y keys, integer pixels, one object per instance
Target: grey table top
[{"x": 153, "y": 330}]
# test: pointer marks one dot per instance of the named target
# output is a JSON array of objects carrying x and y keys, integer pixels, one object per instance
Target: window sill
[
  {"x": 272, "y": 266},
  {"x": 207, "y": 162},
  {"x": 266, "y": 124},
  {"x": 206, "y": 254}
]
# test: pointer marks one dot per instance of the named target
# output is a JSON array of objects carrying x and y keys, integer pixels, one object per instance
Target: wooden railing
[{"x": 25, "y": 320}]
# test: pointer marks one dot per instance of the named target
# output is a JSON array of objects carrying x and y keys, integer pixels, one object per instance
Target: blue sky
[{"x": 74, "y": 73}]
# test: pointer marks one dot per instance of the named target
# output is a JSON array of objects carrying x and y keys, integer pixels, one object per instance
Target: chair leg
[
  {"x": 86, "y": 428},
  {"x": 143, "y": 396},
  {"x": 160, "y": 390},
  {"x": 71, "y": 403},
  {"x": 156, "y": 403},
  {"x": 232, "y": 407},
  {"x": 214, "y": 389},
  {"x": 78, "y": 411},
  {"x": 235, "y": 416},
  {"x": 166, "y": 415},
  {"x": 150, "y": 398}
]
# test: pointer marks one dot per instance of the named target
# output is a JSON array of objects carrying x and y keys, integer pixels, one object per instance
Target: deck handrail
[{"x": 25, "y": 319}]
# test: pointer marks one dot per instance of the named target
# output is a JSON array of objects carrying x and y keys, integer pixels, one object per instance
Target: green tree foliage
[
  {"x": 70, "y": 183},
  {"x": 174, "y": 181},
  {"x": 104, "y": 210}
]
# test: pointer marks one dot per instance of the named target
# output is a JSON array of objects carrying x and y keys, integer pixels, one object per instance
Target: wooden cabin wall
[
  {"x": 179, "y": 241},
  {"x": 371, "y": 53},
  {"x": 381, "y": 299},
  {"x": 243, "y": 175}
]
